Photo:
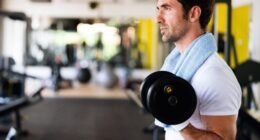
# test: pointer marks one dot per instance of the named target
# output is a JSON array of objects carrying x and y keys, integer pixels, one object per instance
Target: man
[{"x": 194, "y": 58}]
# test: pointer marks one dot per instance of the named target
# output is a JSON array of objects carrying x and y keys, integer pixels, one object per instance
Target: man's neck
[{"x": 183, "y": 43}]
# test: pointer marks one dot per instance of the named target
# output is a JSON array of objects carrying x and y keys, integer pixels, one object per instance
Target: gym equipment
[
  {"x": 14, "y": 107},
  {"x": 105, "y": 75},
  {"x": 20, "y": 103},
  {"x": 12, "y": 96},
  {"x": 84, "y": 75},
  {"x": 11, "y": 82},
  {"x": 169, "y": 98},
  {"x": 229, "y": 44},
  {"x": 247, "y": 73},
  {"x": 10, "y": 85}
]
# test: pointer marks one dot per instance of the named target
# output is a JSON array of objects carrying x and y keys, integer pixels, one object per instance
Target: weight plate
[
  {"x": 174, "y": 107},
  {"x": 147, "y": 82}
]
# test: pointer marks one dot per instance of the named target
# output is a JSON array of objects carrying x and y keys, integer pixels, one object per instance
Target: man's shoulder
[
  {"x": 214, "y": 62},
  {"x": 213, "y": 66},
  {"x": 217, "y": 88},
  {"x": 214, "y": 74}
]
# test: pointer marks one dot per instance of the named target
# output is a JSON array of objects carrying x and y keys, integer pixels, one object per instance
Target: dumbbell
[
  {"x": 84, "y": 75},
  {"x": 169, "y": 98}
]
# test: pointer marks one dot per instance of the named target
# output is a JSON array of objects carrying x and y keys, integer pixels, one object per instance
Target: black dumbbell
[{"x": 169, "y": 98}]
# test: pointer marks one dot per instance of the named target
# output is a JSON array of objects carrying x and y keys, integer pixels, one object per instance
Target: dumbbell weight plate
[
  {"x": 175, "y": 107},
  {"x": 147, "y": 82}
]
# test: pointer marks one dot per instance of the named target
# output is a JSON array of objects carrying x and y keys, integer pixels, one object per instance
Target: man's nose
[{"x": 159, "y": 17}]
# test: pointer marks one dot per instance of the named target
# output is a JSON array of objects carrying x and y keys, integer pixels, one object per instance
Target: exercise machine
[{"x": 14, "y": 106}]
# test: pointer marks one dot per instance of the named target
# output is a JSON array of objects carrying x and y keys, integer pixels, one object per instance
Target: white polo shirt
[{"x": 218, "y": 93}]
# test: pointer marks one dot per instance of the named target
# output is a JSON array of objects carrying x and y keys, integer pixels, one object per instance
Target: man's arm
[{"x": 217, "y": 128}]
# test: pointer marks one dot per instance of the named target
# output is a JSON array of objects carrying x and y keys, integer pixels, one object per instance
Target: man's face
[{"x": 170, "y": 17}]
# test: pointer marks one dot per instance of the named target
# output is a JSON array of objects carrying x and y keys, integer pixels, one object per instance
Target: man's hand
[{"x": 217, "y": 128}]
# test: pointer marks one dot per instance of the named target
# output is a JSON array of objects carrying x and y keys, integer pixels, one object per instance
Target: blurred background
[{"x": 91, "y": 57}]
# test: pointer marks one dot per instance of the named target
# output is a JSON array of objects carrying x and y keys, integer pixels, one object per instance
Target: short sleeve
[{"x": 218, "y": 92}]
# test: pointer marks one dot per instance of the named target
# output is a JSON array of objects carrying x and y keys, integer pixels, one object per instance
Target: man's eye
[{"x": 167, "y": 8}]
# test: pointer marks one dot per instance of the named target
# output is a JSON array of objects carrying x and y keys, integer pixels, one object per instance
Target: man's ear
[{"x": 194, "y": 14}]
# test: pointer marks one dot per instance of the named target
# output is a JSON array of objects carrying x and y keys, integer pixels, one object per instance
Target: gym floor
[
  {"x": 90, "y": 90},
  {"x": 84, "y": 112}
]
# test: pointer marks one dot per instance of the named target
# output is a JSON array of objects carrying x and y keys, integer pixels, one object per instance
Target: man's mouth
[{"x": 162, "y": 29}]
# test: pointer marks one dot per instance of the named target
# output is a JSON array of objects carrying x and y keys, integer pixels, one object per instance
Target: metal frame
[{"x": 228, "y": 46}]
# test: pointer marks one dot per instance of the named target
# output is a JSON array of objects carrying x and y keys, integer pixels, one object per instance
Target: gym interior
[{"x": 73, "y": 69}]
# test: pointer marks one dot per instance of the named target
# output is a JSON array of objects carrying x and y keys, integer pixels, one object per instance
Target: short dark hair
[{"x": 206, "y": 9}]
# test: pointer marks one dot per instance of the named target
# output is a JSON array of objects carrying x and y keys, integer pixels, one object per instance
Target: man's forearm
[{"x": 192, "y": 133}]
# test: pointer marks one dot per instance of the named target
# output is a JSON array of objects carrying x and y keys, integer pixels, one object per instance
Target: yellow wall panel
[
  {"x": 240, "y": 29},
  {"x": 145, "y": 34}
]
